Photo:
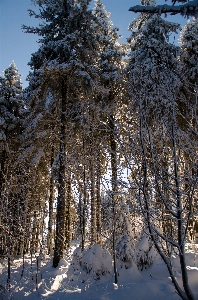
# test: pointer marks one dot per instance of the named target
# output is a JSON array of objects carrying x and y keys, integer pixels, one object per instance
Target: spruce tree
[
  {"x": 153, "y": 67},
  {"x": 65, "y": 63},
  {"x": 188, "y": 108},
  {"x": 189, "y": 45},
  {"x": 11, "y": 106}
]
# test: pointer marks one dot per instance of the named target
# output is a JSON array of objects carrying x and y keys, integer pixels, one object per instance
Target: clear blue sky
[{"x": 18, "y": 46}]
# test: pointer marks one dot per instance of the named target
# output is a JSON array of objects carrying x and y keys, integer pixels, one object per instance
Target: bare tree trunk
[
  {"x": 2, "y": 170},
  {"x": 93, "y": 208},
  {"x": 84, "y": 209},
  {"x": 84, "y": 202},
  {"x": 80, "y": 213},
  {"x": 68, "y": 214},
  {"x": 181, "y": 232},
  {"x": 113, "y": 148},
  {"x": 60, "y": 214},
  {"x": 34, "y": 228},
  {"x": 92, "y": 190},
  {"x": 98, "y": 199},
  {"x": 9, "y": 268},
  {"x": 51, "y": 203}
]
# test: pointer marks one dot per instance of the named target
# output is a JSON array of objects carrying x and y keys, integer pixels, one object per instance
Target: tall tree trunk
[
  {"x": 68, "y": 214},
  {"x": 113, "y": 148},
  {"x": 3, "y": 156},
  {"x": 84, "y": 209},
  {"x": 51, "y": 203},
  {"x": 93, "y": 208},
  {"x": 180, "y": 231},
  {"x": 84, "y": 202},
  {"x": 34, "y": 230},
  {"x": 98, "y": 199},
  {"x": 92, "y": 190},
  {"x": 167, "y": 226},
  {"x": 60, "y": 214}
]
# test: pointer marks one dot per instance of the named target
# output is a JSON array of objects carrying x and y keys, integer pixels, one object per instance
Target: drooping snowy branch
[{"x": 187, "y": 9}]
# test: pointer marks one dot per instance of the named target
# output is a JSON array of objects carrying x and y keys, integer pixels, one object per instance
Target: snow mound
[
  {"x": 125, "y": 250},
  {"x": 145, "y": 253},
  {"x": 94, "y": 261}
]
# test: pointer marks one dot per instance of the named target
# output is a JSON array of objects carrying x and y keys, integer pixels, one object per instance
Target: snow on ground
[{"x": 90, "y": 276}]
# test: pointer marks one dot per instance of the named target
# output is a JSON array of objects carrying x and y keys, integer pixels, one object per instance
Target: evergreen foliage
[
  {"x": 11, "y": 108},
  {"x": 154, "y": 69},
  {"x": 189, "y": 45}
]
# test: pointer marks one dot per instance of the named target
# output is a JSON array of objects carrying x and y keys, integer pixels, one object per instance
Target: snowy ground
[{"x": 70, "y": 281}]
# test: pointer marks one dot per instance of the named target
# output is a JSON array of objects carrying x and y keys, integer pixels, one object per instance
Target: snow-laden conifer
[
  {"x": 188, "y": 108},
  {"x": 10, "y": 103},
  {"x": 10, "y": 87},
  {"x": 66, "y": 63},
  {"x": 11, "y": 106},
  {"x": 189, "y": 45},
  {"x": 189, "y": 57},
  {"x": 154, "y": 70}
]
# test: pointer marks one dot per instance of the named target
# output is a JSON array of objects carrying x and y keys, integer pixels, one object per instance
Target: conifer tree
[
  {"x": 152, "y": 59},
  {"x": 65, "y": 62},
  {"x": 55, "y": 50},
  {"x": 111, "y": 65},
  {"x": 188, "y": 107},
  {"x": 11, "y": 105},
  {"x": 189, "y": 45}
]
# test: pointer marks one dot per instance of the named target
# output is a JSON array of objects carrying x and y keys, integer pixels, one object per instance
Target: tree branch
[{"x": 188, "y": 9}]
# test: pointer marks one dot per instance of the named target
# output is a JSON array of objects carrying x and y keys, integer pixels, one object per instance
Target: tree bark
[
  {"x": 68, "y": 214},
  {"x": 98, "y": 199},
  {"x": 180, "y": 224},
  {"x": 92, "y": 189},
  {"x": 2, "y": 170},
  {"x": 60, "y": 214},
  {"x": 113, "y": 148},
  {"x": 51, "y": 203},
  {"x": 84, "y": 202}
]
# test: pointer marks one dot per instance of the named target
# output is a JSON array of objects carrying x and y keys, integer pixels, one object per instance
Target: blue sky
[{"x": 18, "y": 46}]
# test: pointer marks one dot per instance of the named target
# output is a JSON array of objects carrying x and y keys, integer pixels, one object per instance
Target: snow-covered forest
[{"x": 99, "y": 158}]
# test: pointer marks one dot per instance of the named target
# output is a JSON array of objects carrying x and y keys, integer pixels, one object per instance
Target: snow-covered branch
[{"x": 187, "y": 9}]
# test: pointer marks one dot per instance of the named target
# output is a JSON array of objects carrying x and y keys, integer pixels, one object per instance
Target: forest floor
[{"x": 38, "y": 280}]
